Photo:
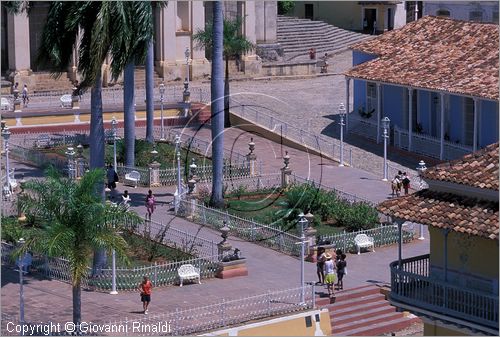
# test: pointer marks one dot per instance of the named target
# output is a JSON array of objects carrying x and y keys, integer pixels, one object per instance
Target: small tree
[{"x": 71, "y": 221}]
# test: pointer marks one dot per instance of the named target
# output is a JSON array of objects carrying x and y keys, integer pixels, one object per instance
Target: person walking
[
  {"x": 330, "y": 274},
  {"x": 145, "y": 288},
  {"x": 406, "y": 183},
  {"x": 25, "y": 96},
  {"x": 150, "y": 205},
  {"x": 125, "y": 200},
  {"x": 341, "y": 269},
  {"x": 320, "y": 264}
]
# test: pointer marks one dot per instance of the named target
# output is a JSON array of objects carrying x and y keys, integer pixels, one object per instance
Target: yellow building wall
[
  {"x": 343, "y": 14},
  {"x": 294, "y": 325},
  {"x": 436, "y": 330},
  {"x": 474, "y": 255}
]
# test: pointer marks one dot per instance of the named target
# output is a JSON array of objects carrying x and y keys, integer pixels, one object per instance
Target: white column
[
  {"x": 410, "y": 118},
  {"x": 197, "y": 22},
  {"x": 379, "y": 112},
  {"x": 18, "y": 42},
  {"x": 476, "y": 112},
  {"x": 347, "y": 107},
  {"x": 441, "y": 133}
]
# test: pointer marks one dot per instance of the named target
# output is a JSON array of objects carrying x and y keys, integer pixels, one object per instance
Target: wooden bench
[
  {"x": 364, "y": 241},
  {"x": 188, "y": 272},
  {"x": 132, "y": 178},
  {"x": 66, "y": 101}
]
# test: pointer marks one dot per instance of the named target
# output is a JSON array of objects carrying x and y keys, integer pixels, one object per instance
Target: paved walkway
[{"x": 268, "y": 270}]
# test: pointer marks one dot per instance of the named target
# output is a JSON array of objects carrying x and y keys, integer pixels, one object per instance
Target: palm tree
[
  {"x": 71, "y": 221},
  {"x": 150, "y": 94},
  {"x": 104, "y": 28},
  {"x": 217, "y": 91},
  {"x": 235, "y": 45}
]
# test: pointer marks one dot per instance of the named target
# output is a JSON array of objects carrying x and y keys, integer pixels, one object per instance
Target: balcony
[{"x": 413, "y": 289}]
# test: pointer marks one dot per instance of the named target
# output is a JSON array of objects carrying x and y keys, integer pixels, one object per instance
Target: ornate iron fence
[{"x": 382, "y": 235}]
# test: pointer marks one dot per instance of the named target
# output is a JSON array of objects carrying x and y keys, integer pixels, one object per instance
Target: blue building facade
[{"x": 469, "y": 122}]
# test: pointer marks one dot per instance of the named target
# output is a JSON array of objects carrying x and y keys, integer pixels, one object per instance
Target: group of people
[
  {"x": 24, "y": 94},
  {"x": 113, "y": 178},
  {"x": 400, "y": 180},
  {"x": 331, "y": 269}
]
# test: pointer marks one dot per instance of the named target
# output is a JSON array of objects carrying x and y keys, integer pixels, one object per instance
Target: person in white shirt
[
  {"x": 330, "y": 274},
  {"x": 125, "y": 200}
]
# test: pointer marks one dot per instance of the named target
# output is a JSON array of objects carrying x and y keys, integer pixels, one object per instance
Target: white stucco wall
[{"x": 460, "y": 10}]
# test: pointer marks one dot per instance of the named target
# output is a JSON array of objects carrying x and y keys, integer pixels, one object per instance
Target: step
[
  {"x": 357, "y": 292},
  {"x": 362, "y": 313},
  {"x": 378, "y": 329},
  {"x": 357, "y": 300},
  {"x": 359, "y": 307},
  {"x": 338, "y": 328}
]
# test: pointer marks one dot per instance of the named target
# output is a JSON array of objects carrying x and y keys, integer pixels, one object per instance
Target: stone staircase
[
  {"x": 364, "y": 311},
  {"x": 297, "y": 36},
  {"x": 140, "y": 77},
  {"x": 45, "y": 82}
]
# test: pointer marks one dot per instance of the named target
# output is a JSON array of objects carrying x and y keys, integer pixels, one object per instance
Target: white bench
[
  {"x": 132, "y": 178},
  {"x": 188, "y": 272},
  {"x": 66, "y": 101},
  {"x": 5, "y": 104},
  {"x": 364, "y": 241}
]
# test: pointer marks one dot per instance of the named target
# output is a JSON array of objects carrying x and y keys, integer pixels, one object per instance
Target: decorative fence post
[
  {"x": 285, "y": 171},
  {"x": 251, "y": 157},
  {"x": 155, "y": 276},
  {"x": 80, "y": 162},
  {"x": 154, "y": 174}
]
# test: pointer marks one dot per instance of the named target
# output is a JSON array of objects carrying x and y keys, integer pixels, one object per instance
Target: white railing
[
  {"x": 366, "y": 127},
  {"x": 271, "y": 236},
  {"x": 327, "y": 146},
  {"x": 113, "y": 97},
  {"x": 429, "y": 146},
  {"x": 413, "y": 285},
  {"x": 382, "y": 235},
  {"x": 195, "y": 320},
  {"x": 162, "y": 274}
]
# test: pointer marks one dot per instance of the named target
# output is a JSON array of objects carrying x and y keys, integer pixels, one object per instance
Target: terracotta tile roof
[
  {"x": 478, "y": 169},
  {"x": 435, "y": 53},
  {"x": 446, "y": 210}
]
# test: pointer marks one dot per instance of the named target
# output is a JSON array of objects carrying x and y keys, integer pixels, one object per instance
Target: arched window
[{"x": 443, "y": 12}]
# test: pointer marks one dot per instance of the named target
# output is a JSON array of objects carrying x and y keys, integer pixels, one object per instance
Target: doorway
[
  {"x": 309, "y": 11},
  {"x": 369, "y": 20},
  {"x": 390, "y": 25}
]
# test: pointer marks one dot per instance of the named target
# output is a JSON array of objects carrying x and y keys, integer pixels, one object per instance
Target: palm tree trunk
[
  {"x": 227, "y": 122},
  {"x": 217, "y": 90},
  {"x": 97, "y": 154},
  {"x": 149, "y": 94},
  {"x": 77, "y": 303},
  {"x": 129, "y": 114}
]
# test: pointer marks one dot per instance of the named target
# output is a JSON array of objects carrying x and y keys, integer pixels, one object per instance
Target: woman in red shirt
[{"x": 145, "y": 288}]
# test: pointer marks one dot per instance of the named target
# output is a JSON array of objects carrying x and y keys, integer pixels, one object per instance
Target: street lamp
[
  {"x": 21, "y": 242},
  {"x": 302, "y": 224},
  {"x": 6, "y": 136},
  {"x": 342, "y": 116},
  {"x": 114, "y": 123},
  {"x": 71, "y": 167},
  {"x": 162, "y": 93},
  {"x": 385, "y": 125},
  {"x": 421, "y": 169},
  {"x": 187, "y": 53},
  {"x": 178, "y": 155}
]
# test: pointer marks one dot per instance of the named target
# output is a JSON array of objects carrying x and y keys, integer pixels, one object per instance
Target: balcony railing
[{"x": 412, "y": 285}]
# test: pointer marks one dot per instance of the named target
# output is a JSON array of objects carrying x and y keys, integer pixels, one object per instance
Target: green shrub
[{"x": 358, "y": 216}]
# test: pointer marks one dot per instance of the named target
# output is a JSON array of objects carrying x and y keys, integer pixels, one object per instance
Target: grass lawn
[{"x": 262, "y": 209}]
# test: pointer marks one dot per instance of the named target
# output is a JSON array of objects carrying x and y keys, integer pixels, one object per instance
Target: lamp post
[
  {"x": 421, "y": 169},
  {"x": 113, "y": 270},
  {"x": 21, "y": 242},
  {"x": 114, "y": 123},
  {"x": 162, "y": 93},
  {"x": 385, "y": 125},
  {"x": 187, "y": 53},
  {"x": 302, "y": 223},
  {"x": 178, "y": 156},
  {"x": 71, "y": 167},
  {"x": 342, "y": 116},
  {"x": 6, "y": 136}
]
